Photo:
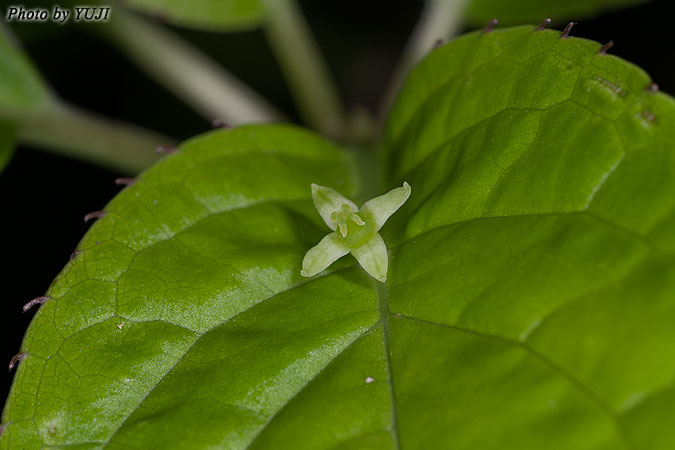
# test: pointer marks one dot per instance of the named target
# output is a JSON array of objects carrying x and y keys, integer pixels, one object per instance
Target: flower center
[{"x": 351, "y": 227}]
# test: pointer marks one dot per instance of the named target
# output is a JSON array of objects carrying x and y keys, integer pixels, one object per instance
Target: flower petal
[
  {"x": 379, "y": 209},
  {"x": 323, "y": 254},
  {"x": 373, "y": 257},
  {"x": 329, "y": 202}
]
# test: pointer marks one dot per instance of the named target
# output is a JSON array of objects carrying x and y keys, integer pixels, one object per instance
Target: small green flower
[{"x": 354, "y": 230}]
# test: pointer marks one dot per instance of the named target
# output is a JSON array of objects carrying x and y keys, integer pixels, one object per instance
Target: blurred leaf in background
[
  {"x": 514, "y": 12},
  {"x": 213, "y": 15}
]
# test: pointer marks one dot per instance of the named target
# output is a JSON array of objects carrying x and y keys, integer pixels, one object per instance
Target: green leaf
[
  {"x": 7, "y": 134},
  {"x": 530, "y": 299},
  {"x": 515, "y": 12},
  {"x": 22, "y": 90},
  {"x": 214, "y": 15}
]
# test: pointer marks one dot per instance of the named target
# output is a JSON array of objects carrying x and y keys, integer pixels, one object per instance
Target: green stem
[
  {"x": 440, "y": 19},
  {"x": 185, "y": 71},
  {"x": 69, "y": 131},
  {"x": 304, "y": 68}
]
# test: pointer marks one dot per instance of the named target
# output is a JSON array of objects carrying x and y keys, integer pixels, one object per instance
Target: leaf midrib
[{"x": 385, "y": 313}]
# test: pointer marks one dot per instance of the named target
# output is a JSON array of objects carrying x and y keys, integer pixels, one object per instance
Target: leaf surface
[
  {"x": 531, "y": 293},
  {"x": 515, "y": 12},
  {"x": 214, "y": 15}
]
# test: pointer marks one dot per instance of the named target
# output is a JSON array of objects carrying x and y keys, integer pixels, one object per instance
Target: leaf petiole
[
  {"x": 304, "y": 67},
  {"x": 440, "y": 20},
  {"x": 69, "y": 131},
  {"x": 184, "y": 70}
]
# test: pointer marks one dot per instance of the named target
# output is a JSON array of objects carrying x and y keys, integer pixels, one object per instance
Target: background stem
[
  {"x": 186, "y": 71},
  {"x": 65, "y": 130},
  {"x": 304, "y": 68},
  {"x": 440, "y": 19}
]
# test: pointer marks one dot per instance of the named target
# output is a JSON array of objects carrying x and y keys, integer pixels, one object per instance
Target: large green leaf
[
  {"x": 223, "y": 15},
  {"x": 514, "y": 12},
  {"x": 531, "y": 294}
]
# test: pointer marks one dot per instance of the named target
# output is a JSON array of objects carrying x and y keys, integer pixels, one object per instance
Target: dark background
[{"x": 44, "y": 197}]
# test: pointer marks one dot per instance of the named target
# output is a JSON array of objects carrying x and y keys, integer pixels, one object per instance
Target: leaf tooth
[
  {"x": 165, "y": 150},
  {"x": 544, "y": 23},
  {"x": 566, "y": 32},
  {"x": 17, "y": 359},
  {"x": 35, "y": 301},
  {"x": 94, "y": 215},
  {"x": 604, "y": 48},
  {"x": 125, "y": 181},
  {"x": 490, "y": 25}
]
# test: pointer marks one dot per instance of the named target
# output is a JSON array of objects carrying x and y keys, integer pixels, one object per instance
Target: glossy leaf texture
[
  {"x": 535, "y": 273},
  {"x": 513, "y": 12},
  {"x": 213, "y": 15},
  {"x": 530, "y": 300}
]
